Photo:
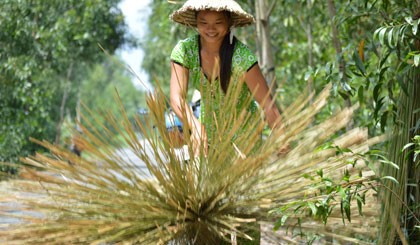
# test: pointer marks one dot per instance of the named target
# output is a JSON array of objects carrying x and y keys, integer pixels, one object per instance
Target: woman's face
[{"x": 212, "y": 25}]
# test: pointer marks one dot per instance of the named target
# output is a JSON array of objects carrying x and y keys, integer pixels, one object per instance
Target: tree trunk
[
  {"x": 413, "y": 192},
  {"x": 398, "y": 198},
  {"x": 310, "y": 45},
  {"x": 63, "y": 104},
  {"x": 265, "y": 51},
  {"x": 337, "y": 45},
  {"x": 401, "y": 202}
]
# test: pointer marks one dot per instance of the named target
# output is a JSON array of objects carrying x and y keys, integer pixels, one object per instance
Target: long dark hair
[{"x": 226, "y": 55}]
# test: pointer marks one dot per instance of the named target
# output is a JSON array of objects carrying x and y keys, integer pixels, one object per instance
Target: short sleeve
[
  {"x": 178, "y": 54},
  {"x": 183, "y": 53},
  {"x": 243, "y": 58}
]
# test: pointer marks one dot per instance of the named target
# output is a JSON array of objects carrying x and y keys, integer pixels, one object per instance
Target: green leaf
[
  {"x": 402, "y": 84},
  {"x": 307, "y": 176},
  {"x": 407, "y": 146},
  {"x": 382, "y": 72},
  {"x": 359, "y": 63},
  {"x": 313, "y": 208},
  {"x": 327, "y": 181},
  {"x": 384, "y": 59},
  {"x": 416, "y": 26},
  {"x": 346, "y": 87},
  {"x": 320, "y": 173},
  {"x": 390, "y": 163},
  {"x": 376, "y": 91},
  {"x": 360, "y": 94},
  {"x": 390, "y": 38},
  {"x": 383, "y": 121},
  {"x": 390, "y": 178},
  {"x": 409, "y": 20},
  {"x": 378, "y": 107},
  {"x": 308, "y": 75},
  {"x": 279, "y": 223},
  {"x": 417, "y": 60},
  {"x": 359, "y": 205},
  {"x": 345, "y": 210},
  {"x": 401, "y": 33},
  {"x": 380, "y": 34},
  {"x": 284, "y": 219},
  {"x": 346, "y": 176},
  {"x": 343, "y": 95},
  {"x": 397, "y": 38}
]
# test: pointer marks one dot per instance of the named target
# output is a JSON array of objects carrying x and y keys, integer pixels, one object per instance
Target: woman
[{"x": 215, "y": 57}]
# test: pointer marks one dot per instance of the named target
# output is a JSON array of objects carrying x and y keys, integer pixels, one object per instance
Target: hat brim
[{"x": 187, "y": 14}]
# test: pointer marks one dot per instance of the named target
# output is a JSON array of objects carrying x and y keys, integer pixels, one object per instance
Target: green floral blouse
[{"x": 187, "y": 54}]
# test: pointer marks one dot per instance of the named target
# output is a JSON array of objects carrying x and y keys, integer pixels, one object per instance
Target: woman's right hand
[{"x": 199, "y": 139}]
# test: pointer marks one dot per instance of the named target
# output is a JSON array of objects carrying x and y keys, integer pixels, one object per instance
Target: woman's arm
[
  {"x": 258, "y": 86},
  {"x": 178, "y": 90},
  {"x": 178, "y": 93}
]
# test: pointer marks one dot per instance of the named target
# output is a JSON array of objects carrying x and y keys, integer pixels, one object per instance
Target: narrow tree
[
  {"x": 264, "y": 46},
  {"x": 339, "y": 52},
  {"x": 400, "y": 200}
]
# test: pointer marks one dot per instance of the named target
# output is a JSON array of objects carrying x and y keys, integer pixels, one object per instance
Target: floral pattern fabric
[{"x": 187, "y": 54}]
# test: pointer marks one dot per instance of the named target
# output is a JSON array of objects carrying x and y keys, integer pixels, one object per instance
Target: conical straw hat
[{"x": 186, "y": 15}]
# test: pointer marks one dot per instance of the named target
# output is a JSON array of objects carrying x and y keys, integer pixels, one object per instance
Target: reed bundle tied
[{"x": 105, "y": 197}]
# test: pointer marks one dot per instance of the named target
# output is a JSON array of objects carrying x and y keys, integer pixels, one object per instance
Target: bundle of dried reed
[{"x": 105, "y": 197}]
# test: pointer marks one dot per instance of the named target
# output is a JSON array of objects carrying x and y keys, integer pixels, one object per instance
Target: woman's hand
[
  {"x": 178, "y": 91},
  {"x": 199, "y": 139},
  {"x": 284, "y": 149}
]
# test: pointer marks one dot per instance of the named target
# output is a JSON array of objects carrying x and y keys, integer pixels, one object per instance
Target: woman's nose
[{"x": 211, "y": 27}]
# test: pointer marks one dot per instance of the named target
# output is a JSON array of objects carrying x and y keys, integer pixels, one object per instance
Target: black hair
[{"x": 226, "y": 55}]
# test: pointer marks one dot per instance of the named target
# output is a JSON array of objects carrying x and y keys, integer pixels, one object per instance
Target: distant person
[{"x": 76, "y": 145}]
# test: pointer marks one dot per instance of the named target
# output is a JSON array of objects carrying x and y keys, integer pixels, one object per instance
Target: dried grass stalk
[{"x": 105, "y": 197}]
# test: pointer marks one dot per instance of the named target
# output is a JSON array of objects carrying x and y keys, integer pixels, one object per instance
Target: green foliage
[
  {"x": 414, "y": 148},
  {"x": 158, "y": 44},
  {"x": 24, "y": 111},
  {"x": 396, "y": 35},
  {"x": 379, "y": 50},
  {"x": 399, "y": 39},
  {"x": 332, "y": 191},
  {"x": 417, "y": 149},
  {"x": 99, "y": 88},
  {"x": 369, "y": 79},
  {"x": 42, "y": 48}
]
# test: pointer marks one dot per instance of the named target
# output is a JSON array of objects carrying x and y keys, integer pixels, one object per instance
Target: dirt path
[{"x": 9, "y": 205}]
